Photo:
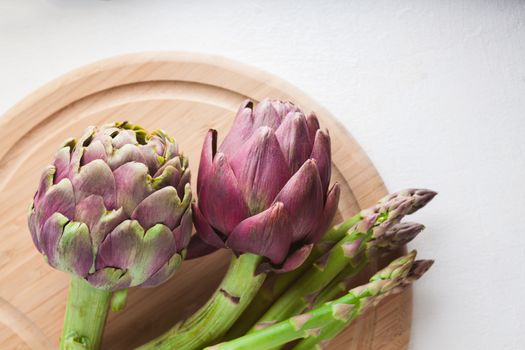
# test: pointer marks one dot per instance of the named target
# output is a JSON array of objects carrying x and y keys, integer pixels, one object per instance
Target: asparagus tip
[
  {"x": 419, "y": 268},
  {"x": 422, "y": 197},
  {"x": 398, "y": 235}
]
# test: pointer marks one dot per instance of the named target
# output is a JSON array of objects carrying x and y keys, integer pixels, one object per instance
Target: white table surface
[{"x": 434, "y": 91}]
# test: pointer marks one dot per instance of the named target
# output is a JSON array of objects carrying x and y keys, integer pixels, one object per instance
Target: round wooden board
[{"x": 185, "y": 94}]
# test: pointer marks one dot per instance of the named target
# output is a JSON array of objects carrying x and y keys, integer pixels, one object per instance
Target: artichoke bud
[
  {"x": 265, "y": 189},
  {"x": 114, "y": 207}
]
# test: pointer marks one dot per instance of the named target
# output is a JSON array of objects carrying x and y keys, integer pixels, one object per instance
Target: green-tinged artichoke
[{"x": 114, "y": 207}]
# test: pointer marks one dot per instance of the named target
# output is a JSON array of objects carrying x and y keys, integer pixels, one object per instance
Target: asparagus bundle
[
  {"x": 369, "y": 229},
  {"x": 276, "y": 285},
  {"x": 324, "y": 322}
]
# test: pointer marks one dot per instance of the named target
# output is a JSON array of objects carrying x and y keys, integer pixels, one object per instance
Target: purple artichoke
[
  {"x": 265, "y": 190},
  {"x": 114, "y": 207}
]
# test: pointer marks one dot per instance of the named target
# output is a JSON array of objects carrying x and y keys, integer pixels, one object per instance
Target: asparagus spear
[
  {"x": 314, "y": 280},
  {"x": 276, "y": 285},
  {"x": 334, "y": 327},
  {"x": 397, "y": 236},
  {"x": 340, "y": 311}
]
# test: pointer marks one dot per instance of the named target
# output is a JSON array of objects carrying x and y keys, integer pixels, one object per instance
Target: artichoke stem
[
  {"x": 86, "y": 313},
  {"x": 210, "y": 322}
]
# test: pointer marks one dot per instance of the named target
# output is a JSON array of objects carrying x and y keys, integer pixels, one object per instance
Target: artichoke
[
  {"x": 265, "y": 190},
  {"x": 114, "y": 207}
]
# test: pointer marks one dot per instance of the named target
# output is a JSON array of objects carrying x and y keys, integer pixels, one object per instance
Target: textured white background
[{"x": 433, "y": 90}]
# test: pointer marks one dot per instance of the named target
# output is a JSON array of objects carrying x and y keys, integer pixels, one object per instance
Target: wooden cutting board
[{"x": 185, "y": 94}]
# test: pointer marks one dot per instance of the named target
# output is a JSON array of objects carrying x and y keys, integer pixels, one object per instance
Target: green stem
[
  {"x": 335, "y": 234},
  {"x": 211, "y": 321},
  {"x": 332, "y": 329},
  {"x": 86, "y": 313},
  {"x": 340, "y": 284},
  {"x": 276, "y": 285}
]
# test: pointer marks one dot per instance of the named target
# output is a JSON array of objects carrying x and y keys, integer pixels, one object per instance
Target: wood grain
[{"x": 185, "y": 94}]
